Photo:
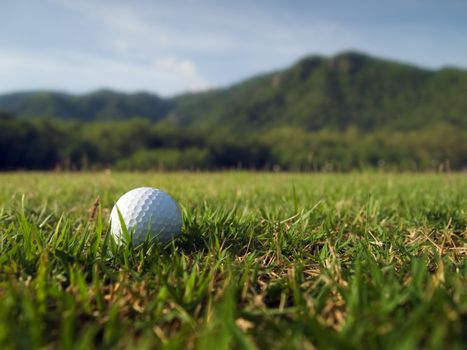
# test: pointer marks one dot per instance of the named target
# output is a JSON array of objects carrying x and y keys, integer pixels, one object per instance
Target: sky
[{"x": 173, "y": 46}]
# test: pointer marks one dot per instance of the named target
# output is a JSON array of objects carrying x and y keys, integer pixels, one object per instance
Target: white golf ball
[{"x": 146, "y": 212}]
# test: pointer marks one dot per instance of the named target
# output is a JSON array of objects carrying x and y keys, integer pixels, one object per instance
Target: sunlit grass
[{"x": 265, "y": 260}]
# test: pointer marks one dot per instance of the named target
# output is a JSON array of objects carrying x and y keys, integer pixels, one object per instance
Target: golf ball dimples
[{"x": 146, "y": 211}]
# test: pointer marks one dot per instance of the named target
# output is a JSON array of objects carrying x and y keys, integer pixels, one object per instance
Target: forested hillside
[
  {"x": 100, "y": 105},
  {"x": 348, "y": 112},
  {"x": 350, "y": 89}
]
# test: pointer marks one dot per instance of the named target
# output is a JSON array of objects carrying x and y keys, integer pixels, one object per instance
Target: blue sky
[{"x": 169, "y": 47}]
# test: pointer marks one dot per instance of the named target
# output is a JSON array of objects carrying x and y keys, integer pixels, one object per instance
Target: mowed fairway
[{"x": 265, "y": 260}]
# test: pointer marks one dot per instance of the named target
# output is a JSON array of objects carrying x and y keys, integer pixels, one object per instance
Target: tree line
[{"x": 138, "y": 144}]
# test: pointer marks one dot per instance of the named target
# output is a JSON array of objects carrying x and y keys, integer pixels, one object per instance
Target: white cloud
[
  {"x": 122, "y": 45},
  {"x": 182, "y": 67},
  {"x": 80, "y": 73}
]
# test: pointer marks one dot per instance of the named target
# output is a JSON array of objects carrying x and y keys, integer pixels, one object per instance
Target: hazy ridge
[{"x": 350, "y": 89}]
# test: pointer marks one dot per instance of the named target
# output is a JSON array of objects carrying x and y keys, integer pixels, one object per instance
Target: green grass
[{"x": 286, "y": 261}]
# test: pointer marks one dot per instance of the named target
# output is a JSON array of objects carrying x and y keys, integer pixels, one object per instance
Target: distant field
[{"x": 357, "y": 261}]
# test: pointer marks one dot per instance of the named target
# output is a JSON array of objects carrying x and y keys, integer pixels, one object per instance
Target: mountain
[
  {"x": 350, "y": 89},
  {"x": 100, "y": 105}
]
